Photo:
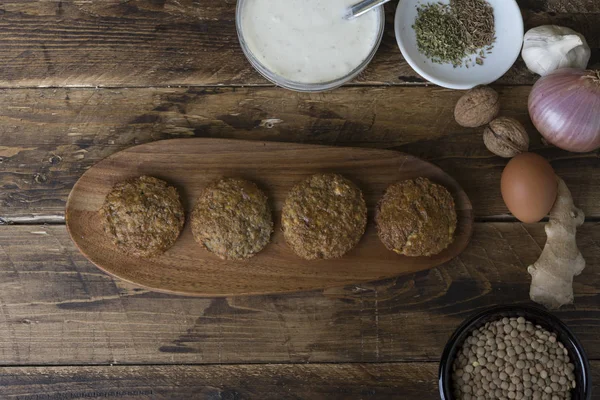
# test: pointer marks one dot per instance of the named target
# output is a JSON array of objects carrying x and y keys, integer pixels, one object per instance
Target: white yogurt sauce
[{"x": 308, "y": 41}]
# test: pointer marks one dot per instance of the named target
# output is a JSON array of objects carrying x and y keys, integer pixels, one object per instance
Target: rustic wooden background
[{"x": 82, "y": 79}]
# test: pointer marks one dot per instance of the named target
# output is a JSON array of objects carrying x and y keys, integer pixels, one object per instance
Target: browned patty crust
[
  {"x": 324, "y": 216},
  {"x": 416, "y": 218},
  {"x": 143, "y": 216},
  {"x": 232, "y": 219}
]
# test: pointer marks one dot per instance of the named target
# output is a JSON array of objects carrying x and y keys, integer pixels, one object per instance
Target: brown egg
[{"x": 529, "y": 187}]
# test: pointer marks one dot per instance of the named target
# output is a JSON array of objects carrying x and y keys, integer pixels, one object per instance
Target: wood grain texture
[
  {"x": 57, "y": 308},
  {"x": 223, "y": 382},
  {"x": 192, "y": 164},
  {"x": 51, "y": 137},
  {"x": 189, "y": 42},
  {"x": 230, "y": 382}
]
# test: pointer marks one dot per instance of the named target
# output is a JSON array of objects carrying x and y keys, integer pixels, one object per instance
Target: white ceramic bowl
[{"x": 509, "y": 40}]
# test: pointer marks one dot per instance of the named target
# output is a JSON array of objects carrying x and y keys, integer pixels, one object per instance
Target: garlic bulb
[{"x": 550, "y": 47}]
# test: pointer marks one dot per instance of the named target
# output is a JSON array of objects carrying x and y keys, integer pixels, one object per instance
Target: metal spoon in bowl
[{"x": 360, "y": 8}]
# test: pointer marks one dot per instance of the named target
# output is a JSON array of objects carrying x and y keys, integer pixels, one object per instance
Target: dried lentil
[{"x": 513, "y": 374}]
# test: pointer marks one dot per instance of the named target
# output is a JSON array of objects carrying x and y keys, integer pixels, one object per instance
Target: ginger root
[{"x": 552, "y": 274}]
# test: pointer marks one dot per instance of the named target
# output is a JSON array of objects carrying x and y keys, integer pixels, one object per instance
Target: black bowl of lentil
[{"x": 538, "y": 316}]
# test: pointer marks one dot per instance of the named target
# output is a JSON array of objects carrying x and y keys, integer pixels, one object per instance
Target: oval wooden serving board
[{"x": 190, "y": 164}]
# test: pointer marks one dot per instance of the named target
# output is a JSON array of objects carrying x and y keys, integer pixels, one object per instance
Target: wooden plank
[
  {"x": 50, "y": 137},
  {"x": 558, "y": 6},
  {"x": 188, "y": 42},
  {"x": 57, "y": 308},
  {"x": 231, "y": 382}
]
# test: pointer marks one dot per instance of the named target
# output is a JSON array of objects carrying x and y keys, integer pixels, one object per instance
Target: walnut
[
  {"x": 477, "y": 107},
  {"x": 506, "y": 137}
]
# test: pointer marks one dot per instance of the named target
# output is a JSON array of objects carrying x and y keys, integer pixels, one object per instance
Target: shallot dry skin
[{"x": 565, "y": 107}]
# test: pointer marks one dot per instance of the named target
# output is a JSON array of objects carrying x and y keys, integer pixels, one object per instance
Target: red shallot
[{"x": 565, "y": 107}]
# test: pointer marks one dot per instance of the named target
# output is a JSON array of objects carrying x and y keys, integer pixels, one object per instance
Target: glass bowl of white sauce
[{"x": 307, "y": 45}]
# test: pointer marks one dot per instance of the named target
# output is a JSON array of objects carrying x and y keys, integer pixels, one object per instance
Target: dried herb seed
[{"x": 456, "y": 32}]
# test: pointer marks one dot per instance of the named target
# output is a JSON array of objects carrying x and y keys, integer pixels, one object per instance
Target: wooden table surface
[{"x": 80, "y": 80}]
